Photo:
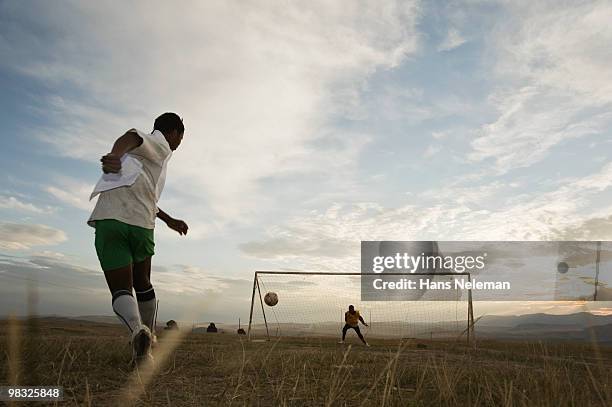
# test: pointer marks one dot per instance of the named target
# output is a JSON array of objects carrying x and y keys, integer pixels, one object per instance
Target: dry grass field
[{"x": 91, "y": 362}]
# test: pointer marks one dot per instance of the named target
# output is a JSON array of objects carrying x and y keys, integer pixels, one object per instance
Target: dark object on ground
[
  {"x": 211, "y": 327},
  {"x": 240, "y": 330},
  {"x": 171, "y": 325},
  {"x": 421, "y": 346}
]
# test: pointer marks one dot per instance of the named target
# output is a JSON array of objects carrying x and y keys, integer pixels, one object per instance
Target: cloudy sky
[{"x": 309, "y": 127}]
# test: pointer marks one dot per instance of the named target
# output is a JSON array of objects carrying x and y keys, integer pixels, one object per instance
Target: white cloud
[
  {"x": 72, "y": 192},
  {"x": 438, "y": 135},
  {"x": 533, "y": 120},
  {"x": 14, "y": 203},
  {"x": 431, "y": 150},
  {"x": 292, "y": 245},
  {"x": 183, "y": 279},
  {"x": 17, "y": 236},
  {"x": 185, "y": 292},
  {"x": 453, "y": 40},
  {"x": 256, "y": 84},
  {"x": 554, "y": 59},
  {"x": 593, "y": 228},
  {"x": 450, "y": 213},
  {"x": 50, "y": 255}
]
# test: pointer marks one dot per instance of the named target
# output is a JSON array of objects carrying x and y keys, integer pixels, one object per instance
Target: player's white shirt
[{"x": 132, "y": 196}]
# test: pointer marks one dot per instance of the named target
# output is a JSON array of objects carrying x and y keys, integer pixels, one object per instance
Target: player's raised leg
[
  {"x": 124, "y": 305},
  {"x": 126, "y": 308},
  {"x": 115, "y": 256}
]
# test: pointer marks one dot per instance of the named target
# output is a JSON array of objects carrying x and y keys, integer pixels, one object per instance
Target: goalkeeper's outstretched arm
[{"x": 362, "y": 321}]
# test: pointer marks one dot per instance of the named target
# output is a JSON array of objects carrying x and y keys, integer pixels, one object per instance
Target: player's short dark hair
[
  {"x": 350, "y": 306},
  {"x": 168, "y": 122}
]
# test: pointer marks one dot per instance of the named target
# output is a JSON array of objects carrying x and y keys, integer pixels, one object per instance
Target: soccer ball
[{"x": 271, "y": 299}]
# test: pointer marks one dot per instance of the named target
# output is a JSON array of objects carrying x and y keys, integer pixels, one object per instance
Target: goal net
[{"x": 314, "y": 304}]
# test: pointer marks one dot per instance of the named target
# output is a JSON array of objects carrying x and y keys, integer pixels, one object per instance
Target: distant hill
[
  {"x": 581, "y": 326},
  {"x": 580, "y": 319},
  {"x": 602, "y": 333},
  {"x": 101, "y": 319},
  {"x": 97, "y": 319},
  {"x": 555, "y": 327}
]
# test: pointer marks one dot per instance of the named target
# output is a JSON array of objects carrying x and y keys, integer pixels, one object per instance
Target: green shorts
[{"x": 119, "y": 244}]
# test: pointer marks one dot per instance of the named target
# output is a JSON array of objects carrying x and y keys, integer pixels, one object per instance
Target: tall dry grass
[{"x": 91, "y": 362}]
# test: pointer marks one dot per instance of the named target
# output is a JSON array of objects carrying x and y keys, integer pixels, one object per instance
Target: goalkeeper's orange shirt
[{"x": 352, "y": 319}]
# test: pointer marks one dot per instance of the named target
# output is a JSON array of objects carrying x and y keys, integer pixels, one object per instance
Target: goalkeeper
[{"x": 352, "y": 319}]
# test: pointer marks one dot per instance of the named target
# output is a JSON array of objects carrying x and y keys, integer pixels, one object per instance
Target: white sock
[
  {"x": 126, "y": 308},
  {"x": 147, "y": 305}
]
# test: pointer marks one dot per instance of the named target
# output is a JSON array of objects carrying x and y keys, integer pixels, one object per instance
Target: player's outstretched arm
[
  {"x": 362, "y": 321},
  {"x": 111, "y": 162},
  {"x": 174, "y": 224}
]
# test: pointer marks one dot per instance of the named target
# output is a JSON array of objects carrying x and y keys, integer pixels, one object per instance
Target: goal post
[{"x": 312, "y": 304}]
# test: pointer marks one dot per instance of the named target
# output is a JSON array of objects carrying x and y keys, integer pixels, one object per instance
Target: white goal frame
[{"x": 469, "y": 331}]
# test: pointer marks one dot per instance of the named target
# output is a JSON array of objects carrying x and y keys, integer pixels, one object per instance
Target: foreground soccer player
[
  {"x": 124, "y": 219},
  {"x": 352, "y": 319}
]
